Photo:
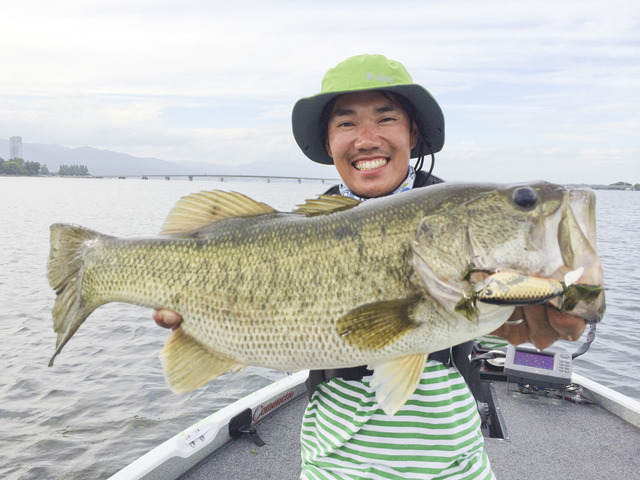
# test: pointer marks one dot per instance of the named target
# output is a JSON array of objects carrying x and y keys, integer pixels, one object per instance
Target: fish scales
[
  {"x": 334, "y": 284},
  {"x": 239, "y": 283}
]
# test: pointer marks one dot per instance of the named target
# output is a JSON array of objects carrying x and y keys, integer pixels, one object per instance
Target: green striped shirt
[{"x": 435, "y": 435}]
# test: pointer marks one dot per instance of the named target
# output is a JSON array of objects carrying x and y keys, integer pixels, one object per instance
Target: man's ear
[
  {"x": 414, "y": 135},
  {"x": 328, "y": 147}
]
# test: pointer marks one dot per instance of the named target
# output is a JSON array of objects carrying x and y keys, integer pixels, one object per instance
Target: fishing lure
[{"x": 515, "y": 289}]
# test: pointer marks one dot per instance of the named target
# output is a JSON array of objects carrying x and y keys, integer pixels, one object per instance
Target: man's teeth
[{"x": 371, "y": 164}]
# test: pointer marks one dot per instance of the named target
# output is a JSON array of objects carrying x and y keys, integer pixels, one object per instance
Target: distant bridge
[{"x": 222, "y": 178}]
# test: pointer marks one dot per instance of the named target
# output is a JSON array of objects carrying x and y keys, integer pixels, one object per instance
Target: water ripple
[{"x": 105, "y": 402}]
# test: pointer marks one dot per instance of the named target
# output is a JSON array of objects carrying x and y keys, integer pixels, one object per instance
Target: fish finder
[{"x": 549, "y": 368}]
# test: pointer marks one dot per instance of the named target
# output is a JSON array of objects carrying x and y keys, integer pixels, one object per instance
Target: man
[{"x": 369, "y": 120}]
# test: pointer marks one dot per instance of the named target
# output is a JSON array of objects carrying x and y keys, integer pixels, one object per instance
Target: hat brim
[{"x": 309, "y": 135}]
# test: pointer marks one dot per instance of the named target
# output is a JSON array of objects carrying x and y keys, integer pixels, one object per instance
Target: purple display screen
[{"x": 535, "y": 360}]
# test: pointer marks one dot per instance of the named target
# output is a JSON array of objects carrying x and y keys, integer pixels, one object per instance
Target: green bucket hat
[{"x": 367, "y": 72}]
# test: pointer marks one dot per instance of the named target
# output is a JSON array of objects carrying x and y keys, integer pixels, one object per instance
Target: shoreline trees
[{"x": 20, "y": 167}]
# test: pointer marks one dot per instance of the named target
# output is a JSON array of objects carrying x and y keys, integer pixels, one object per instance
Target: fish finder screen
[{"x": 534, "y": 360}]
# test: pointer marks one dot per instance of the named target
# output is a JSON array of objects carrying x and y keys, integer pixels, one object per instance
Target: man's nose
[{"x": 367, "y": 137}]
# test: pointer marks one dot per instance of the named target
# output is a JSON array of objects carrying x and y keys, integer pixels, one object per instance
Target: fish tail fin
[{"x": 64, "y": 272}]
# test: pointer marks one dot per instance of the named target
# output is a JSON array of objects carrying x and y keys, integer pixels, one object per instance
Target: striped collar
[{"x": 407, "y": 184}]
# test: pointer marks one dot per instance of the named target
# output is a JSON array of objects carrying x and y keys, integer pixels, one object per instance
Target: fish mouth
[
  {"x": 570, "y": 244},
  {"x": 568, "y": 240},
  {"x": 560, "y": 241},
  {"x": 577, "y": 243},
  {"x": 369, "y": 164}
]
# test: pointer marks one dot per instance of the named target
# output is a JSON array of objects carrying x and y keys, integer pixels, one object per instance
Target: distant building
[{"x": 15, "y": 147}]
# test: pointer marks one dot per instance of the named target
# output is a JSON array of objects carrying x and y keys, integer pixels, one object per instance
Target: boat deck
[
  {"x": 242, "y": 459},
  {"x": 546, "y": 438}
]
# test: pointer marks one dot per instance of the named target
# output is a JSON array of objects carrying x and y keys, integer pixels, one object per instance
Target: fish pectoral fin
[
  {"x": 188, "y": 365},
  {"x": 395, "y": 381},
  {"x": 326, "y": 204},
  {"x": 376, "y": 325},
  {"x": 199, "y": 210}
]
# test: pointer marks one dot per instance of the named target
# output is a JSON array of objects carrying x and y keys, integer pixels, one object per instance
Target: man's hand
[
  {"x": 167, "y": 318},
  {"x": 541, "y": 326}
]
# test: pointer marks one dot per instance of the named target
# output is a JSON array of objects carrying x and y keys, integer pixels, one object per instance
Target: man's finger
[{"x": 167, "y": 318}]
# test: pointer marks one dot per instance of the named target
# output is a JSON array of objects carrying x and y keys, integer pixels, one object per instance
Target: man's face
[{"x": 370, "y": 142}]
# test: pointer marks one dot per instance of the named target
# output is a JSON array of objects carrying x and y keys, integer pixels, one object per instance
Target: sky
[{"x": 530, "y": 90}]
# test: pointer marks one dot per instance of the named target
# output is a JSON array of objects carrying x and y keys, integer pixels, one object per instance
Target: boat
[{"x": 540, "y": 420}]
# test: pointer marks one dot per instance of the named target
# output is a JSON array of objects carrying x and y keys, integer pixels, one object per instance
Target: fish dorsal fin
[
  {"x": 204, "y": 208},
  {"x": 395, "y": 381},
  {"x": 326, "y": 204}
]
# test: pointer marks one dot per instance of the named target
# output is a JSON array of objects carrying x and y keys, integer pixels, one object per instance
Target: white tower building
[{"x": 15, "y": 147}]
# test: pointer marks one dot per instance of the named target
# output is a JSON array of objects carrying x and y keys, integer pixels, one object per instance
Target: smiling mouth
[{"x": 370, "y": 164}]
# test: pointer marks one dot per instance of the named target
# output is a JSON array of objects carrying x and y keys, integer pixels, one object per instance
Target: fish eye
[{"x": 524, "y": 197}]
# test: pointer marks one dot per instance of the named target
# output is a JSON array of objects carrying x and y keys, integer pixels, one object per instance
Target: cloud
[{"x": 195, "y": 80}]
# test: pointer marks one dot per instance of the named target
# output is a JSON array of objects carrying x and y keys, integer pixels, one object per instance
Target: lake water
[{"x": 105, "y": 402}]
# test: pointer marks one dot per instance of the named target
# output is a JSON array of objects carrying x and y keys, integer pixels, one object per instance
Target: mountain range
[{"x": 108, "y": 163}]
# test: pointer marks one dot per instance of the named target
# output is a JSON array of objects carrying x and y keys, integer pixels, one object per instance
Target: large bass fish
[{"x": 336, "y": 283}]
